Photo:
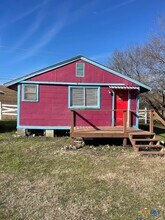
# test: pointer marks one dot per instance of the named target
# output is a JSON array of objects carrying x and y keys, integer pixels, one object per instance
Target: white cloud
[
  {"x": 31, "y": 30},
  {"x": 24, "y": 14},
  {"x": 46, "y": 35},
  {"x": 118, "y": 6},
  {"x": 63, "y": 17},
  {"x": 100, "y": 56}
]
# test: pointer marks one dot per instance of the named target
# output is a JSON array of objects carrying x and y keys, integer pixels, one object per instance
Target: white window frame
[
  {"x": 83, "y": 64},
  {"x": 23, "y": 93}
]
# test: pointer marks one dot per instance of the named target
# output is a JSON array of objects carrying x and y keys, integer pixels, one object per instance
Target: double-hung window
[
  {"x": 30, "y": 92},
  {"x": 84, "y": 97}
]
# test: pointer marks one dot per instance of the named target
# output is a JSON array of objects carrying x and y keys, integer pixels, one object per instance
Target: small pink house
[{"x": 46, "y": 97}]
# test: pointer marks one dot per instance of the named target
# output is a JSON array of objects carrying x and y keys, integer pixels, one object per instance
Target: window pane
[
  {"x": 80, "y": 69},
  {"x": 91, "y": 97},
  {"x": 30, "y": 92},
  {"x": 77, "y": 97},
  {"x": 30, "y": 89},
  {"x": 30, "y": 96}
]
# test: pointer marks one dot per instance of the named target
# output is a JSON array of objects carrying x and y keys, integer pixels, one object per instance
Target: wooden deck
[
  {"x": 143, "y": 142},
  {"x": 104, "y": 132},
  {"x": 93, "y": 131}
]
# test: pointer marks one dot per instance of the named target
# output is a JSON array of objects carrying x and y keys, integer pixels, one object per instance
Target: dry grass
[
  {"x": 9, "y": 96},
  {"x": 41, "y": 180}
]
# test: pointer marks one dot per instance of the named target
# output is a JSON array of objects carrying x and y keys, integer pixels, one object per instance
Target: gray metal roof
[{"x": 123, "y": 87}]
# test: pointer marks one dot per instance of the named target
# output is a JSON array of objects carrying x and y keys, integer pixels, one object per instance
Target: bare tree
[
  {"x": 154, "y": 56},
  {"x": 146, "y": 64},
  {"x": 129, "y": 62}
]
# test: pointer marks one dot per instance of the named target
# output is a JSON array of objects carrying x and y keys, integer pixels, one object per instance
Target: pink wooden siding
[
  {"x": 93, "y": 74},
  {"x": 133, "y": 105},
  {"x": 101, "y": 117},
  {"x": 52, "y": 109}
]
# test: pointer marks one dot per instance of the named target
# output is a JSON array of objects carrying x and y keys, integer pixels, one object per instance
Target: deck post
[
  {"x": 129, "y": 118},
  {"x": 124, "y": 142},
  {"x": 151, "y": 121},
  {"x": 72, "y": 121},
  {"x": 125, "y": 122}
]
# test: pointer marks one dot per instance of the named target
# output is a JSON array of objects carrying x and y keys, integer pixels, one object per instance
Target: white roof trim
[{"x": 65, "y": 62}]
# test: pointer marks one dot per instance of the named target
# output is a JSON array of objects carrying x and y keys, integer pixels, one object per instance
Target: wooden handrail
[
  {"x": 100, "y": 110},
  {"x": 74, "y": 112},
  {"x": 159, "y": 118},
  {"x": 152, "y": 114}
]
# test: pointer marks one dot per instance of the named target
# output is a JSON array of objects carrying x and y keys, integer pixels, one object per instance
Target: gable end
[{"x": 143, "y": 87}]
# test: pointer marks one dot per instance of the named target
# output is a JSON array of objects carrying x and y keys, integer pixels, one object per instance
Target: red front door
[{"x": 121, "y": 103}]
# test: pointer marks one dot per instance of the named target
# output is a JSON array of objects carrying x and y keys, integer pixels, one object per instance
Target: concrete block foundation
[
  {"x": 21, "y": 132},
  {"x": 49, "y": 133}
]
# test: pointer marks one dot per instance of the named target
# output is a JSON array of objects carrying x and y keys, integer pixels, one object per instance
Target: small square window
[
  {"x": 30, "y": 92},
  {"x": 80, "y": 69}
]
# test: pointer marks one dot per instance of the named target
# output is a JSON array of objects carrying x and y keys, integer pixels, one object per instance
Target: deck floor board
[{"x": 107, "y": 132}]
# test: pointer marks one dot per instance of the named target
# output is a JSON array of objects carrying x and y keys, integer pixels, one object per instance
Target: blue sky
[{"x": 38, "y": 33}]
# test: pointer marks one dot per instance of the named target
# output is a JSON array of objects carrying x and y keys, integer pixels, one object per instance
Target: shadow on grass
[
  {"x": 106, "y": 141},
  {"x": 7, "y": 126}
]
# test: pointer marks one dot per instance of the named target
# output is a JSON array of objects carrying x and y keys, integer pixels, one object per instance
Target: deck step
[
  {"x": 147, "y": 139},
  {"x": 142, "y": 133},
  {"x": 148, "y": 146},
  {"x": 142, "y": 136}
]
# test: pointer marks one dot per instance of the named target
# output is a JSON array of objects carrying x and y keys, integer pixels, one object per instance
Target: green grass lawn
[{"x": 39, "y": 179}]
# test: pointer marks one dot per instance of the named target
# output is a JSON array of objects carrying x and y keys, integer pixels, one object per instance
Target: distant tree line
[{"x": 145, "y": 63}]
